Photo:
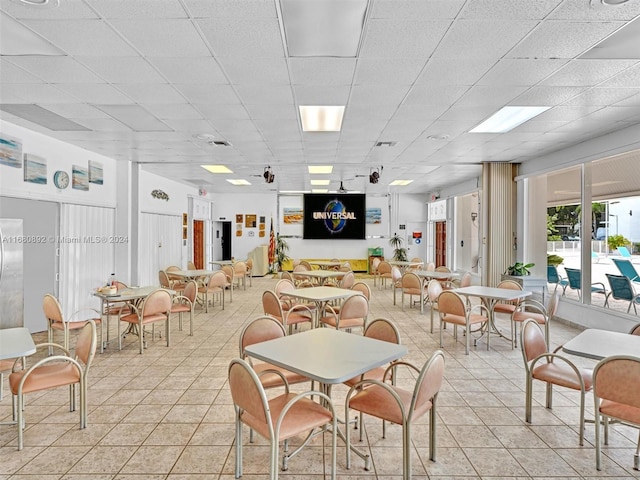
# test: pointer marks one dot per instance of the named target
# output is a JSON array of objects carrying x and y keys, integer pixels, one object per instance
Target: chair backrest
[
  {"x": 574, "y": 277},
  {"x": 345, "y": 267},
  {"x": 465, "y": 281},
  {"x": 384, "y": 267},
  {"x": 190, "y": 291},
  {"x": 552, "y": 274},
  {"x": 356, "y": 306},
  {"x": 286, "y": 276},
  {"x": 52, "y": 308},
  {"x": 218, "y": 279},
  {"x": 552, "y": 306},
  {"x": 635, "y": 330},
  {"x": 120, "y": 285},
  {"x": 452, "y": 303},
  {"x": 627, "y": 269},
  {"x": 163, "y": 278},
  {"x": 410, "y": 281},
  {"x": 532, "y": 341},
  {"x": 348, "y": 280},
  {"x": 434, "y": 289},
  {"x": 300, "y": 268},
  {"x": 259, "y": 330},
  {"x": 86, "y": 344},
  {"x": 374, "y": 264},
  {"x": 430, "y": 267},
  {"x": 229, "y": 272},
  {"x": 396, "y": 276},
  {"x": 624, "y": 251},
  {"x": 158, "y": 301},
  {"x": 173, "y": 268},
  {"x": 249, "y": 263},
  {"x": 617, "y": 378},
  {"x": 510, "y": 284},
  {"x": 296, "y": 262},
  {"x": 284, "y": 285},
  {"x": 247, "y": 392},
  {"x": 240, "y": 268},
  {"x": 621, "y": 288},
  {"x": 416, "y": 259},
  {"x": 428, "y": 383},
  {"x": 383, "y": 329},
  {"x": 306, "y": 264},
  {"x": 362, "y": 288},
  {"x": 191, "y": 265},
  {"x": 271, "y": 304},
  {"x": 442, "y": 268}
]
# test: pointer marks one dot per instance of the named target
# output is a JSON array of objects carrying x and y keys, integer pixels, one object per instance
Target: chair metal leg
[
  {"x": 238, "y": 446},
  {"x": 582, "y": 418},
  {"x": 406, "y": 451},
  {"x": 528, "y": 398}
]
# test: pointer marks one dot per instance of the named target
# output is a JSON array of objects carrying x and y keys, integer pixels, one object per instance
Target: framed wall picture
[
  {"x": 35, "y": 169},
  {"x": 185, "y": 219},
  {"x": 185, "y": 232},
  {"x": 250, "y": 221},
  {"x": 239, "y": 218},
  {"x": 79, "y": 178},
  {"x": 10, "y": 151},
  {"x": 95, "y": 173}
]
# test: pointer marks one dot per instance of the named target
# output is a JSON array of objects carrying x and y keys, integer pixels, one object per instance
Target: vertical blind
[{"x": 160, "y": 239}]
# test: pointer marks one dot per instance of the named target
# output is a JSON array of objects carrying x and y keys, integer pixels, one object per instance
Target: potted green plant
[
  {"x": 281, "y": 252},
  {"x": 399, "y": 252},
  {"x": 553, "y": 259},
  {"x": 519, "y": 269}
]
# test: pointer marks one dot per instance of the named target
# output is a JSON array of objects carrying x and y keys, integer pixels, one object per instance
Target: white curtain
[
  {"x": 87, "y": 245},
  {"x": 160, "y": 245}
]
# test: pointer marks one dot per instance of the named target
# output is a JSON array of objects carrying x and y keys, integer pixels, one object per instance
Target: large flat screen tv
[{"x": 334, "y": 216}]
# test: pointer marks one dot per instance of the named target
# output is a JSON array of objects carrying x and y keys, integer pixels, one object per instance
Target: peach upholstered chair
[
  {"x": 277, "y": 419},
  {"x": 230, "y": 274},
  {"x": 56, "y": 371},
  {"x": 396, "y": 281},
  {"x": 185, "y": 303},
  {"x": 57, "y": 321},
  {"x": 550, "y": 368},
  {"x": 616, "y": 395},
  {"x": 384, "y": 273},
  {"x": 412, "y": 286},
  {"x": 249, "y": 264},
  {"x": 240, "y": 272},
  {"x": 294, "y": 316},
  {"x": 215, "y": 286},
  {"x": 537, "y": 311},
  {"x": 156, "y": 307},
  {"x": 507, "y": 307},
  {"x": 434, "y": 289},
  {"x": 453, "y": 309},
  {"x": 353, "y": 314},
  {"x": 374, "y": 269},
  {"x": 400, "y": 406},
  {"x": 635, "y": 330}
]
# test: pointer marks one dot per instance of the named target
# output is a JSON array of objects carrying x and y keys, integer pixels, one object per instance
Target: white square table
[
  {"x": 193, "y": 274},
  {"x": 324, "y": 265},
  {"x": 16, "y": 342},
  {"x": 599, "y": 344},
  {"x": 321, "y": 295},
  {"x": 405, "y": 265},
  {"x": 320, "y": 275}
]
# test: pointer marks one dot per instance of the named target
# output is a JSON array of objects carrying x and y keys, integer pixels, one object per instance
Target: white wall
[{"x": 178, "y": 195}]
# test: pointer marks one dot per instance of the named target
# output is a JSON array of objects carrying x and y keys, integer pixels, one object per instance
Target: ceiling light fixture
[
  {"x": 318, "y": 118},
  {"x": 268, "y": 175},
  {"x": 40, "y": 3},
  {"x": 320, "y": 182},
  {"x": 438, "y": 136},
  {"x": 217, "y": 168},
  {"x": 237, "y": 181},
  {"x": 204, "y": 136},
  {"x": 508, "y": 118},
  {"x": 374, "y": 176},
  {"x": 400, "y": 183},
  {"x": 313, "y": 169}
]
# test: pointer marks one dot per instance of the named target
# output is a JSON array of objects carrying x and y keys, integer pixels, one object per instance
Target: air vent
[
  {"x": 219, "y": 143},
  {"x": 385, "y": 144}
]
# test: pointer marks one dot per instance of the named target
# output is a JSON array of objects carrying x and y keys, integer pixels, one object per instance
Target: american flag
[{"x": 272, "y": 245}]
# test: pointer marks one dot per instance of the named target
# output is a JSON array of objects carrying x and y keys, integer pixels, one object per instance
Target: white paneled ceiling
[{"x": 144, "y": 77}]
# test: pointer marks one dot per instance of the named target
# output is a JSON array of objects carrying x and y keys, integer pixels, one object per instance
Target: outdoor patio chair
[
  {"x": 574, "y": 276},
  {"x": 555, "y": 278},
  {"x": 622, "y": 289},
  {"x": 627, "y": 269}
]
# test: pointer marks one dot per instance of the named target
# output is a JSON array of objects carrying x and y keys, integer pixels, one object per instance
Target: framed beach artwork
[
  {"x": 80, "y": 178},
  {"x": 10, "y": 151},
  {"x": 95, "y": 173},
  {"x": 374, "y": 215},
  {"x": 292, "y": 215},
  {"x": 35, "y": 169}
]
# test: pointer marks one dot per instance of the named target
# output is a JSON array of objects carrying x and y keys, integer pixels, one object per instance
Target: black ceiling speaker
[
  {"x": 374, "y": 176},
  {"x": 268, "y": 175},
  {"x": 342, "y": 189}
]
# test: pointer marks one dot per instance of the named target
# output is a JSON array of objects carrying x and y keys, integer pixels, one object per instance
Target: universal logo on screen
[{"x": 334, "y": 216}]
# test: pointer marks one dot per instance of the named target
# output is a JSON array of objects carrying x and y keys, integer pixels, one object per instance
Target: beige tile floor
[{"x": 167, "y": 414}]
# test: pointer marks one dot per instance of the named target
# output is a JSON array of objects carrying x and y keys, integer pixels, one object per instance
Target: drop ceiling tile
[
  {"x": 151, "y": 93},
  {"x": 498, "y": 96},
  {"x": 446, "y": 71},
  {"x": 383, "y": 94},
  {"x": 628, "y": 78},
  {"x": 580, "y": 10},
  {"x": 518, "y": 71},
  {"x": 238, "y": 37},
  {"x": 393, "y": 38},
  {"x": 267, "y": 94},
  {"x": 288, "y": 111},
  {"x": 78, "y": 111},
  {"x": 104, "y": 124},
  {"x": 548, "y": 96},
  {"x": 193, "y": 126},
  {"x": 231, "y": 9},
  {"x": 122, "y": 69},
  {"x": 199, "y": 70},
  {"x": 56, "y": 69},
  {"x": 92, "y": 38},
  {"x": 95, "y": 93},
  {"x": 140, "y": 9},
  {"x": 257, "y": 71},
  {"x": 587, "y": 72},
  {"x": 34, "y": 93},
  {"x": 508, "y": 9},
  {"x": 434, "y": 95},
  {"x": 381, "y": 71},
  {"x": 633, "y": 101},
  {"x": 322, "y": 70},
  {"x": 557, "y": 39},
  {"x": 566, "y": 114},
  {"x": 66, "y": 10},
  {"x": 416, "y": 9},
  {"x": 321, "y": 95},
  {"x": 473, "y": 39},
  {"x": 602, "y": 96},
  {"x": 13, "y": 74},
  {"x": 208, "y": 94},
  {"x": 152, "y": 37},
  {"x": 174, "y": 111},
  {"x": 364, "y": 112}
]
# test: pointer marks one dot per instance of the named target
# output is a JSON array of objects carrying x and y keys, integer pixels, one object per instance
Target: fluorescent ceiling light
[
  {"x": 508, "y": 118},
  {"x": 319, "y": 190},
  {"x": 217, "y": 168},
  {"x": 320, "y": 182},
  {"x": 320, "y": 169},
  {"x": 237, "y": 181},
  {"x": 400, "y": 183},
  {"x": 319, "y": 118},
  {"x": 323, "y": 28}
]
